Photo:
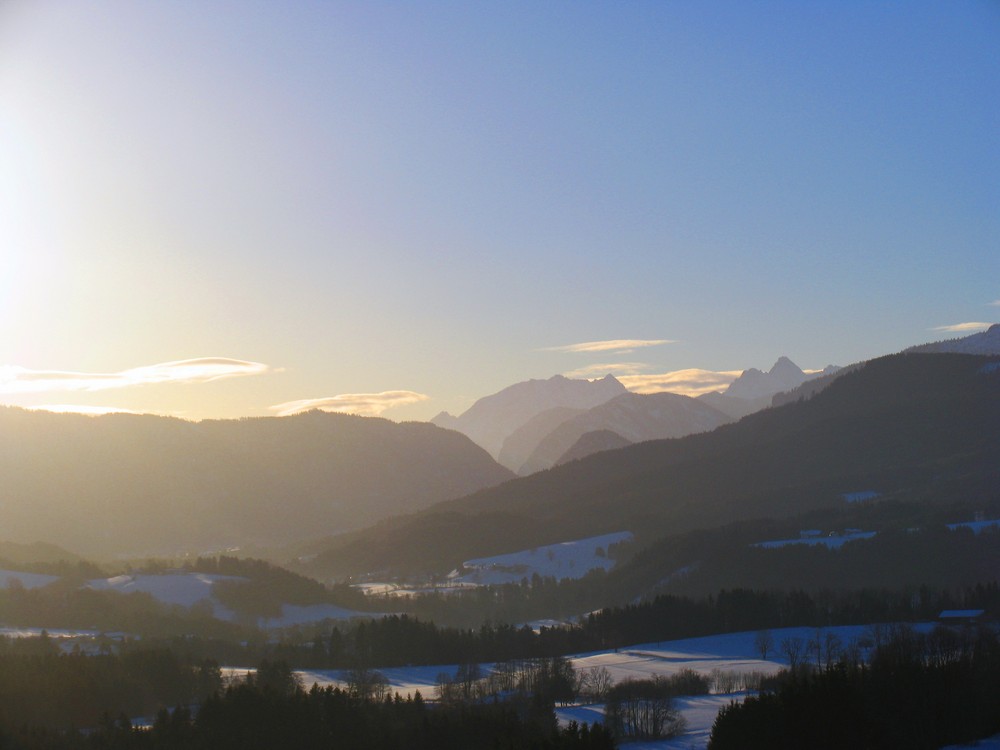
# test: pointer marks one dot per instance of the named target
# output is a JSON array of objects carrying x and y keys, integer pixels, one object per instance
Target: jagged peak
[{"x": 784, "y": 364}]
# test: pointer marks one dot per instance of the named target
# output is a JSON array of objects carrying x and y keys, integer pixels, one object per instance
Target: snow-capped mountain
[
  {"x": 784, "y": 375},
  {"x": 492, "y": 418},
  {"x": 632, "y": 416}
]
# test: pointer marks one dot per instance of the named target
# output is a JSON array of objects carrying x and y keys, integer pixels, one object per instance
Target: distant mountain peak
[
  {"x": 784, "y": 375},
  {"x": 491, "y": 419},
  {"x": 784, "y": 364}
]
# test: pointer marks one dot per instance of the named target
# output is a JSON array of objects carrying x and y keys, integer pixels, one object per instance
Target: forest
[
  {"x": 919, "y": 691},
  {"x": 54, "y": 700}
]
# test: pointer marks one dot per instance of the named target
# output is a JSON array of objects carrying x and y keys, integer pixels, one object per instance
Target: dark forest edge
[
  {"x": 919, "y": 691},
  {"x": 55, "y": 702}
]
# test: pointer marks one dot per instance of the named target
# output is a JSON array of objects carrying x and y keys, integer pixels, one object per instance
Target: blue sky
[{"x": 219, "y": 209}]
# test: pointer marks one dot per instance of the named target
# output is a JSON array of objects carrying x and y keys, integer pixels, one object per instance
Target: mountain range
[
  {"x": 491, "y": 419},
  {"x": 633, "y": 417},
  {"x": 915, "y": 426},
  {"x": 535, "y": 423},
  {"x": 130, "y": 484}
]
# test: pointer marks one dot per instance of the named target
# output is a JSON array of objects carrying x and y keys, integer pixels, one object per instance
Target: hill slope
[
  {"x": 918, "y": 426},
  {"x": 123, "y": 483},
  {"x": 632, "y": 416}
]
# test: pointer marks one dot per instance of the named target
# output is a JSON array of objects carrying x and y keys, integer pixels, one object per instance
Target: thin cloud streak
[
  {"x": 995, "y": 303},
  {"x": 692, "y": 382},
  {"x": 963, "y": 327},
  {"x": 365, "y": 404},
  {"x": 15, "y": 379},
  {"x": 598, "y": 371},
  {"x": 613, "y": 345},
  {"x": 92, "y": 411}
]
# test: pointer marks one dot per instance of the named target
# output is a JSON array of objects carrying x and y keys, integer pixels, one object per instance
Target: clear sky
[{"x": 222, "y": 209}]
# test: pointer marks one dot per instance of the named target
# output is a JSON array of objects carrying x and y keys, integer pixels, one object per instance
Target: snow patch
[
  {"x": 9, "y": 578},
  {"x": 860, "y": 496},
  {"x": 184, "y": 589},
  {"x": 976, "y": 526},
  {"x": 565, "y": 560},
  {"x": 833, "y": 541}
]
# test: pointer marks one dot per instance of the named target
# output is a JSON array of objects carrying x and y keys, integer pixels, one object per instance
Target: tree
[
  {"x": 643, "y": 709},
  {"x": 763, "y": 642},
  {"x": 367, "y": 684},
  {"x": 595, "y": 684},
  {"x": 791, "y": 649}
]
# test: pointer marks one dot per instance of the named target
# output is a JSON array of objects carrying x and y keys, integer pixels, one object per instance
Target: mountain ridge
[
  {"x": 916, "y": 424},
  {"x": 491, "y": 419},
  {"x": 142, "y": 484}
]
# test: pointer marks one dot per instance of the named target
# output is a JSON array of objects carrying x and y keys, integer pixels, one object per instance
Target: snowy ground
[
  {"x": 990, "y": 743},
  {"x": 976, "y": 526},
  {"x": 565, "y": 560},
  {"x": 732, "y": 652},
  {"x": 10, "y": 578},
  {"x": 187, "y": 589},
  {"x": 572, "y": 559},
  {"x": 833, "y": 542}
]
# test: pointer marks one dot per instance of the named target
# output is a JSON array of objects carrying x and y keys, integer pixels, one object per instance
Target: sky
[{"x": 224, "y": 209}]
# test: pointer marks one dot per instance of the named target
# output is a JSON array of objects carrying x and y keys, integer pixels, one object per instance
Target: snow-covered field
[
  {"x": 10, "y": 578},
  {"x": 833, "y": 542},
  {"x": 565, "y": 560},
  {"x": 573, "y": 559},
  {"x": 732, "y": 652},
  {"x": 188, "y": 589},
  {"x": 976, "y": 526}
]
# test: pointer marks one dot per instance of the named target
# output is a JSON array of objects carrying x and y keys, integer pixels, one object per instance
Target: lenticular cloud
[
  {"x": 365, "y": 404},
  {"x": 14, "y": 379}
]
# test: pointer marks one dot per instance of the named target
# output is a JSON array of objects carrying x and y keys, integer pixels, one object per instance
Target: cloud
[
  {"x": 613, "y": 345},
  {"x": 617, "y": 369},
  {"x": 963, "y": 327},
  {"x": 95, "y": 411},
  {"x": 693, "y": 382},
  {"x": 365, "y": 404},
  {"x": 14, "y": 379},
  {"x": 995, "y": 303}
]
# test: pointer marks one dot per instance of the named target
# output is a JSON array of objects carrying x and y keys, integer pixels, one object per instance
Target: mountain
[
  {"x": 986, "y": 342},
  {"x": 914, "y": 427},
  {"x": 522, "y": 442},
  {"x": 131, "y": 484},
  {"x": 733, "y": 406},
  {"x": 633, "y": 417},
  {"x": 492, "y": 418},
  {"x": 753, "y": 384},
  {"x": 593, "y": 442}
]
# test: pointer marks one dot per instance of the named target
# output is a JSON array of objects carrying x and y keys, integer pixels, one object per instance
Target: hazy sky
[{"x": 217, "y": 209}]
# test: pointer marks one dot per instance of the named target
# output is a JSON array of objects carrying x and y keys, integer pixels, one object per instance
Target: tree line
[
  {"x": 917, "y": 691},
  {"x": 56, "y": 701}
]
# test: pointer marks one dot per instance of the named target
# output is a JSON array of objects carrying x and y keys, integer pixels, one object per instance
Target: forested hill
[
  {"x": 144, "y": 485},
  {"x": 915, "y": 426}
]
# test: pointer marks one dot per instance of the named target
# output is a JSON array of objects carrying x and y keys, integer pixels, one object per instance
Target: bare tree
[
  {"x": 595, "y": 684},
  {"x": 763, "y": 642},
  {"x": 791, "y": 649},
  {"x": 832, "y": 649},
  {"x": 366, "y": 683}
]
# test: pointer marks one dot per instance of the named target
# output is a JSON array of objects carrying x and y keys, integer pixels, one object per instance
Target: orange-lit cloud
[
  {"x": 613, "y": 345},
  {"x": 616, "y": 368},
  {"x": 963, "y": 327},
  {"x": 94, "y": 411},
  {"x": 693, "y": 382},
  {"x": 14, "y": 379},
  {"x": 365, "y": 404}
]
